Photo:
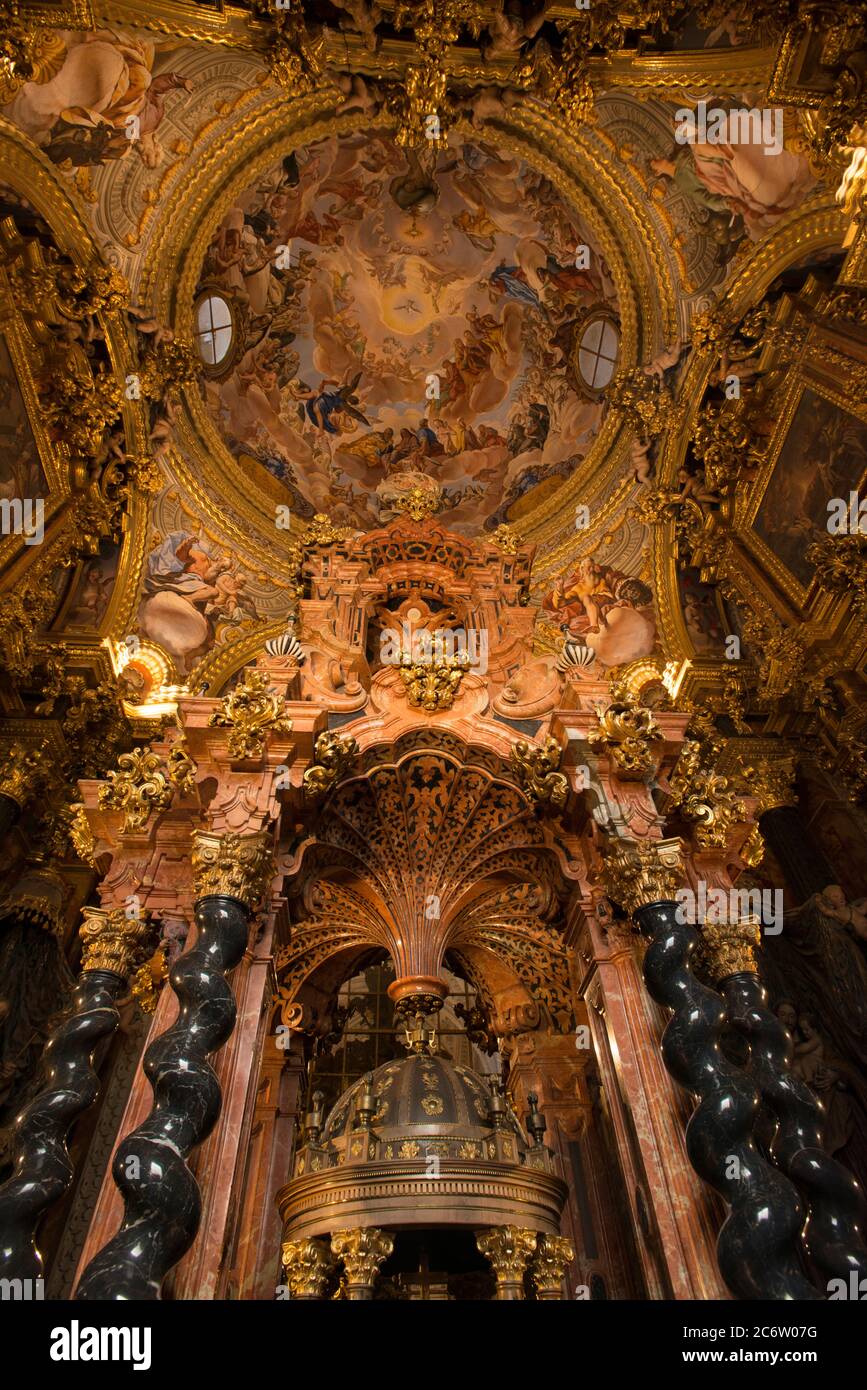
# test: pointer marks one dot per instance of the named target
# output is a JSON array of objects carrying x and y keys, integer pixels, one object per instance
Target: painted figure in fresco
[
  {"x": 511, "y": 280},
  {"x": 739, "y": 182},
  {"x": 189, "y": 591},
  {"x": 322, "y": 405},
  {"x": 80, "y": 105},
  {"x": 609, "y": 610},
  {"x": 92, "y": 599}
]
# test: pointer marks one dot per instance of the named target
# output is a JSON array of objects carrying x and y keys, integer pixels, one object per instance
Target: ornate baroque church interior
[{"x": 433, "y": 616}]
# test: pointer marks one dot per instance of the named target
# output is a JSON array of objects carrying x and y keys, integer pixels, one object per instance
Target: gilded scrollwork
[
  {"x": 536, "y": 770},
  {"x": 333, "y": 757},
  {"x": 252, "y": 712},
  {"x": 703, "y": 797},
  {"x": 432, "y": 685},
  {"x": 628, "y": 733},
  {"x": 138, "y": 787}
]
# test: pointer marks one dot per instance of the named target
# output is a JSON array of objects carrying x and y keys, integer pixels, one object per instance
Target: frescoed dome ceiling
[{"x": 396, "y": 318}]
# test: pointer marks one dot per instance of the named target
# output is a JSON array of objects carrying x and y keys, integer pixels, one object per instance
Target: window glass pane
[
  {"x": 214, "y": 329},
  {"x": 592, "y": 335},
  {"x": 604, "y": 372}
]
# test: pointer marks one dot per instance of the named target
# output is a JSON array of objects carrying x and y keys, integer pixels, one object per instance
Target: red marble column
[
  {"x": 255, "y": 1270},
  {"x": 676, "y": 1230}
]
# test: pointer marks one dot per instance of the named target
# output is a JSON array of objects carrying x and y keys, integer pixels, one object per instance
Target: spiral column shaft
[
  {"x": 42, "y": 1169},
  {"x": 834, "y": 1233},
  {"x": 757, "y": 1244},
  {"x": 162, "y": 1201}
]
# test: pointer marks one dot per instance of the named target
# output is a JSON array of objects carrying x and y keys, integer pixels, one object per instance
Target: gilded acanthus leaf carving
[
  {"x": 628, "y": 733},
  {"x": 333, "y": 757},
  {"x": 703, "y": 796},
  {"x": 432, "y": 685},
  {"x": 536, "y": 769},
  {"x": 251, "y": 712},
  {"x": 138, "y": 787}
]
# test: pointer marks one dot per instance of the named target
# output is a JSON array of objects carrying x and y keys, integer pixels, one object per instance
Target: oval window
[
  {"x": 214, "y": 329},
  {"x": 597, "y": 353}
]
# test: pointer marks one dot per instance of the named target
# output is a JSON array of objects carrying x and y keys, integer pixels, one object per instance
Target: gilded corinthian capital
[
  {"x": 553, "y": 1254},
  {"x": 21, "y": 769},
  {"x": 638, "y": 872},
  {"x": 728, "y": 948},
  {"x": 307, "y": 1264},
  {"x": 362, "y": 1252},
  {"x": 509, "y": 1250},
  {"x": 113, "y": 941},
  {"x": 231, "y": 866}
]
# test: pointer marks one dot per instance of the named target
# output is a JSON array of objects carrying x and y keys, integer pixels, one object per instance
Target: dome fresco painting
[{"x": 423, "y": 322}]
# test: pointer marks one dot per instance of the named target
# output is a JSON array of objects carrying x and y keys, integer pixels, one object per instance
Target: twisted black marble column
[
  {"x": 162, "y": 1203},
  {"x": 837, "y": 1219},
  {"x": 757, "y": 1244},
  {"x": 42, "y": 1170}
]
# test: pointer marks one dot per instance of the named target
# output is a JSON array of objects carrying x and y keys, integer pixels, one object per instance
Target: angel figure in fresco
[
  {"x": 80, "y": 105},
  {"x": 189, "y": 590},
  {"x": 478, "y": 227},
  {"x": 510, "y": 281},
  {"x": 327, "y": 409}
]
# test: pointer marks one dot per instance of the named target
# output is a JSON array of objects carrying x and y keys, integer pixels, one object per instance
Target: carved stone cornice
[
  {"x": 231, "y": 866},
  {"x": 728, "y": 948},
  {"x": 113, "y": 941},
  {"x": 638, "y": 872},
  {"x": 251, "y": 712}
]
